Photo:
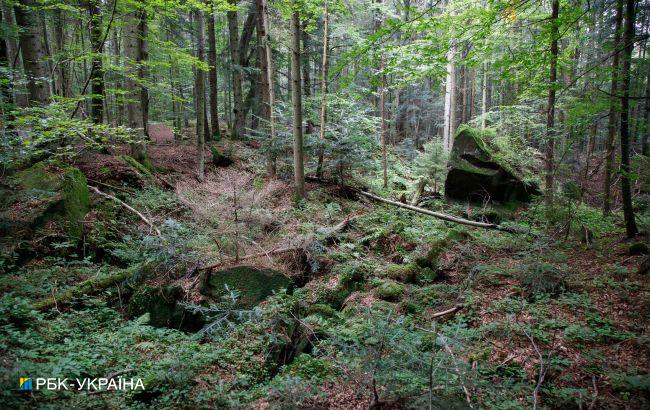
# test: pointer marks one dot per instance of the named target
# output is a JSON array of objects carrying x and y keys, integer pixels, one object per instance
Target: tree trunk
[
  {"x": 97, "y": 76},
  {"x": 484, "y": 96},
  {"x": 238, "y": 109},
  {"x": 626, "y": 190},
  {"x": 612, "y": 121},
  {"x": 266, "y": 80},
  {"x": 323, "y": 90},
  {"x": 14, "y": 60},
  {"x": 450, "y": 101},
  {"x": 212, "y": 61},
  {"x": 32, "y": 47},
  {"x": 550, "y": 114},
  {"x": 133, "y": 51},
  {"x": 296, "y": 98},
  {"x": 645, "y": 149},
  {"x": 199, "y": 85}
]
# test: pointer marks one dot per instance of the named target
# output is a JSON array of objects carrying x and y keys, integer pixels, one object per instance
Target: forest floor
[{"x": 546, "y": 319}]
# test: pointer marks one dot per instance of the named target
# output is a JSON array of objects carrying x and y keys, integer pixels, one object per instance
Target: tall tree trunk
[
  {"x": 484, "y": 96},
  {"x": 32, "y": 47},
  {"x": 626, "y": 189},
  {"x": 266, "y": 80},
  {"x": 550, "y": 114},
  {"x": 612, "y": 121},
  {"x": 235, "y": 60},
  {"x": 306, "y": 72},
  {"x": 199, "y": 85},
  {"x": 14, "y": 60},
  {"x": 323, "y": 90},
  {"x": 212, "y": 74},
  {"x": 296, "y": 98},
  {"x": 449, "y": 127},
  {"x": 134, "y": 38},
  {"x": 645, "y": 149},
  {"x": 97, "y": 76}
]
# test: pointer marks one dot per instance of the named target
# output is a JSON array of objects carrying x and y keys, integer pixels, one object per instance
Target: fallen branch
[
  {"x": 439, "y": 215},
  {"x": 447, "y": 312},
  {"x": 119, "y": 201}
]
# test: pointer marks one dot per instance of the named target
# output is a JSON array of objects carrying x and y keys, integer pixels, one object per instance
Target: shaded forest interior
[{"x": 326, "y": 204}]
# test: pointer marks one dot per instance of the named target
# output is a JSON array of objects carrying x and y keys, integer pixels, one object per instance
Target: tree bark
[
  {"x": 266, "y": 69},
  {"x": 550, "y": 113},
  {"x": 323, "y": 90},
  {"x": 97, "y": 76},
  {"x": 626, "y": 189},
  {"x": 32, "y": 47},
  {"x": 199, "y": 86},
  {"x": 484, "y": 96},
  {"x": 134, "y": 38},
  {"x": 449, "y": 127},
  {"x": 212, "y": 61},
  {"x": 612, "y": 121},
  {"x": 296, "y": 98},
  {"x": 238, "y": 109}
]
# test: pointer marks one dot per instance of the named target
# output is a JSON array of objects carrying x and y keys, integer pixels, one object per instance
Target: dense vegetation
[{"x": 326, "y": 204}]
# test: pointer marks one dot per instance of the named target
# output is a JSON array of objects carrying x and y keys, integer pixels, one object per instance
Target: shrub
[{"x": 542, "y": 277}]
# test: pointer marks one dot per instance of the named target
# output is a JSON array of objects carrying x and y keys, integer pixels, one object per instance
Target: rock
[
  {"x": 475, "y": 173},
  {"x": 638, "y": 248},
  {"x": 253, "y": 285},
  {"x": 218, "y": 159},
  {"x": 162, "y": 305},
  {"x": 644, "y": 268},
  {"x": 45, "y": 200},
  {"x": 390, "y": 291},
  {"x": 405, "y": 273}
]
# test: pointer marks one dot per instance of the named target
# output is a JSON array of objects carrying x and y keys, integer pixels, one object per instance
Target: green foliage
[
  {"x": 432, "y": 164},
  {"x": 540, "y": 277},
  {"x": 390, "y": 291}
]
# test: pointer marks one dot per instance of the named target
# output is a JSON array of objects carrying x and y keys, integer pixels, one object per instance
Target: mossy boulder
[
  {"x": 638, "y": 248},
  {"x": 218, "y": 158},
  {"x": 253, "y": 285},
  {"x": 390, "y": 291},
  {"x": 477, "y": 174},
  {"x": 405, "y": 273},
  {"x": 45, "y": 200},
  {"x": 164, "y": 308}
]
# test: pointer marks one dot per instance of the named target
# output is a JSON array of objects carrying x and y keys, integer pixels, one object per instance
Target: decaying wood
[
  {"x": 87, "y": 287},
  {"x": 418, "y": 191},
  {"x": 119, "y": 201},
  {"x": 439, "y": 215}
]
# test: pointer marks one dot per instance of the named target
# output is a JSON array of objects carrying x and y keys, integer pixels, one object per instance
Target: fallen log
[
  {"x": 439, "y": 215},
  {"x": 87, "y": 287},
  {"x": 119, "y": 201}
]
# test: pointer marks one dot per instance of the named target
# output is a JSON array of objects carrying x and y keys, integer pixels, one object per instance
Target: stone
[
  {"x": 162, "y": 305},
  {"x": 476, "y": 174},
  {"x": 219, "y": 159},
  {"x": 253, "y": 285},
  {"x": 638, "y": 248},
  {"x": 45, "y": 200}
]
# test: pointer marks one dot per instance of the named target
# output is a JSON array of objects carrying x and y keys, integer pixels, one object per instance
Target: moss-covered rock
[
  {"x": 405, "y": 273},
  {"x": 253, "y": 285},
  {"x": 390, "y": 291},
  {"x": 144, "y": 169},
  {"x": 638, "y": 248},
  {"x": 321, "y": 309},
  {"x": 162, "y": 305},
  {"x": 476, "y": 173},
  {"x": 47, "y": 199},
  {"x": 218, "y": 158}
]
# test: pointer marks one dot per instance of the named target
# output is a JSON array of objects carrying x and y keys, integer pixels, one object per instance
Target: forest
[{"x": 325, "y": 204}]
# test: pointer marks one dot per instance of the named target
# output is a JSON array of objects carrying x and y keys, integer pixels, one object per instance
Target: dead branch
[
  {"x": 119, "y": 201},
  {"x": 447, "y": 312}
]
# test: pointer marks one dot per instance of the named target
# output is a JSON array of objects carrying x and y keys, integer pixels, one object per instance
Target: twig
[
  {"x": 119, "y": 201},
  {"x": 447, "y": 312}
]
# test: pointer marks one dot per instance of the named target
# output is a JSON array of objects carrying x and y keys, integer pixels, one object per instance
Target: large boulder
[
  {"x": 476, "y": 174},
  {"x": 47, "y": 200},
  {"x": 253, "y": 285},
  {"x": 165, "y": 308}
]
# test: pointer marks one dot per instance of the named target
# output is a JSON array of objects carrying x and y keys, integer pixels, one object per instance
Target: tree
[
  {"x": 323, "y": 90},
  {"x": 135, "y": 54},
  {"x": 626, "y": 189},
  {"x": 34, "y": 52},
  {"x": 96, "y": 72},
  {"x": 235, "y": 61},
  {"x": 612, "y": 121},
  {"x": 266, "y": 69},
  {"x": 212, "y": 73},
  {"x": 549, "y": 160},
  {"x": 199, "y": 86},
  {"x": 296, "y": 99}
]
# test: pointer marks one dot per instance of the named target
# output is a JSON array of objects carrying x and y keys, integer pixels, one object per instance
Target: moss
[
  {"x": 321, "y": 309},
  {"x": 311, "y": 368},
  {"x": 427, "y": 275},
  {"x": 334, "y": 297},
  {"x": 76, "y": 200},
  {"x": 219, "y": 159},
  {"x": 411, "y": 307},
  {"x": 352, "y": 275},
  {"x": 638, "y": 248},
  {"x": 402, "y": 273},
  {"x": 390, "y": 291},
  {"x": 144, "y": 169},
  {"x": 253, "y": 285},
  {"x": 161, "y": 303}
]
